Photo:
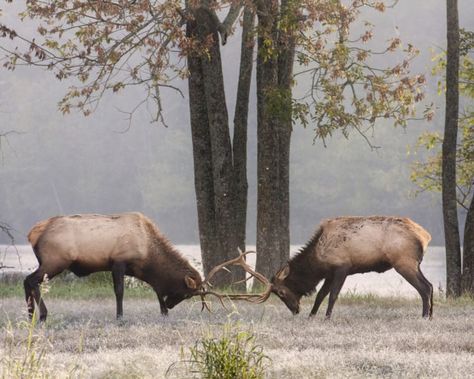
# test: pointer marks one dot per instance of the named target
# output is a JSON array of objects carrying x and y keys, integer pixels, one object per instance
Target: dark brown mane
[
  {"x": 162, "y": 244},
  {"x": 303, "y": 270}
]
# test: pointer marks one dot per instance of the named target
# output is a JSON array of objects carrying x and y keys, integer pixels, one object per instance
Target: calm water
[{"x": 390, "y": 283}]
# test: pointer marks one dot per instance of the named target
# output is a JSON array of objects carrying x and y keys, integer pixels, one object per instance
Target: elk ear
[
  {"x": 190, "y": 282},
  {"x": 283, "y": 273}
]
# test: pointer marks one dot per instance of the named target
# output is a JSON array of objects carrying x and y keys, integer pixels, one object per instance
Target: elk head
[
  {"x": 279, "y": 287},
  {"x": 190, "y": 287}
]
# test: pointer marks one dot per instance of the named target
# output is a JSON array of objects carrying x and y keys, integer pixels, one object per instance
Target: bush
[{"x": 234, "y": 355}]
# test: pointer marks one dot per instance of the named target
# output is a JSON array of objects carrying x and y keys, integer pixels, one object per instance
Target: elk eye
[{"x": 281, "y": 293}]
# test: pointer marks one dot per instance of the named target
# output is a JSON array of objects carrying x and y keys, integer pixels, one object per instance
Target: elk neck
[
  {"x": 166, "y": 266},
  {"x": 304, "y": 272}
]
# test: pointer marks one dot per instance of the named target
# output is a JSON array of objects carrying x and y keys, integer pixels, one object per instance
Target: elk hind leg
[
  {"x": 33, "y": 294},
  {"x": 423, "y": 278},
  {"x": 411, "y": 272}
]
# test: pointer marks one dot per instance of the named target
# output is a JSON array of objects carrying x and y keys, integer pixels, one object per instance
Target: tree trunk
[
  {"x": 212, "y": 149},
  {"x": 468, "y": 251},
  {"x": 268, "y": 144},
  {"x": 274, "y": 102},
  {"x": 286, "y": 56},
  {"x": 451, "y": 227},
  {"x": 202, "y": 157},
  {"x": 240, "y": 127}
]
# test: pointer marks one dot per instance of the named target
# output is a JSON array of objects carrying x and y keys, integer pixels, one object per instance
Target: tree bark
[
  {"x": 451, "y": 227},
  {"x": 468, "y": 251},
  {"x": 268, "y": 144},
  {"x": 241, "y": 125},
  {"x": 202, "y": 158},
  {"x": 274, "y": 102},
  {"x": 212, "y": 149},
  {"x": 286, "y": 57}
]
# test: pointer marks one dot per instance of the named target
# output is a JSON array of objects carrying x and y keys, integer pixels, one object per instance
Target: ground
[{"x": 368, "y": 337}]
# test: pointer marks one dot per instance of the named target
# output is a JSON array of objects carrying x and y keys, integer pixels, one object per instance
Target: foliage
[
  {"x": 234, "y": 355},
  {"x": 349, "y": 90},
  {"x": 110, "y": 46},
  {"x": 427, "y": 174}
]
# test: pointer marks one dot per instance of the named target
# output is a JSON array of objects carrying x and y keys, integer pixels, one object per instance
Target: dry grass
[{"x": 367, "y": 337}]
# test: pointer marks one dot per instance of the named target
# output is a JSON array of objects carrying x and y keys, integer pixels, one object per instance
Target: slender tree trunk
[
  {"x": 468, "y": 251},
  {"x": 240, "y": 126},
  {"x": 268, "y": 170},
  {"x": 274, "y": 101},
  {"x": 286, "y": 56},
  {"x": 451, "y": 227}
]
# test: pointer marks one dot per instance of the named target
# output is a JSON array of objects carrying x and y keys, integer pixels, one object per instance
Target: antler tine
[
  {"x": 238, "y": 261},
  {"x": 261, "y": 278},
  {"x": 204, "y": 304},
  {"x": 231, "y": 262}
]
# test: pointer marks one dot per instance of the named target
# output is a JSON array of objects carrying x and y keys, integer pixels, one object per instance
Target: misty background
[{"x": 105, "y": 164}]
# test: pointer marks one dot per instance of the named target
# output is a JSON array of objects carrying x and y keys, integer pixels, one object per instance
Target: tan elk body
[
  {"x": 125, "y": 244},
  {"x": 349, "y": 245}
]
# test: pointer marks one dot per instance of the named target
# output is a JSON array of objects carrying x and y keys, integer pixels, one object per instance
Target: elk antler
[{"x": 240, "y": 261}]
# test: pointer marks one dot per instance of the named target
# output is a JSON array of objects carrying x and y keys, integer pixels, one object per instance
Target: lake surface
[{"x": 21, "y": 258}]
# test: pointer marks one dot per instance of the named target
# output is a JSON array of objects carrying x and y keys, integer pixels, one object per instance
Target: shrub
[{"x": 233, "y": 355}]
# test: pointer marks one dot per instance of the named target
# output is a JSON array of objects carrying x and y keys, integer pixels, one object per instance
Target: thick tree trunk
[
  {"x": 451, "y": 227},
  {"x": 268, "y": 170},
  {"x": 223, "y": 171},
  {"x": 213, "y": 162},
  {"x": 202, "y": 157},
  {"x": 468, "y": 251},
  {"x": 240, "y": 126}
]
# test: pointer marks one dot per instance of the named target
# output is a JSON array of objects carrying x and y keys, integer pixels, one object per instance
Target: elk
[
  {"x": 344, "y": 246},
  {"x": 125, "y": 244}
]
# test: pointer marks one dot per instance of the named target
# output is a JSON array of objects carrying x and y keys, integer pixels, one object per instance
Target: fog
[{"x": 71, "y": 164}]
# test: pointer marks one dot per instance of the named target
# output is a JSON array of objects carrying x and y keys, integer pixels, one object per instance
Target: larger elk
[
  {"x": 125, "y": 244},
  {"x": 349, "y": 245}
]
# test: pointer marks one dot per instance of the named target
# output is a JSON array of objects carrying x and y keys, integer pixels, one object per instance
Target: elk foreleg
[
  {"x": 322, "y": 293},
  {"x": 163, "y": 309},
  {"x": 339, "y": 277},
  {"x": 118, "y": 276}
]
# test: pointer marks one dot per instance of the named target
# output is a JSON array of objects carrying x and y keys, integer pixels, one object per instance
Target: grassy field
[{"x": 368, "y": 336}]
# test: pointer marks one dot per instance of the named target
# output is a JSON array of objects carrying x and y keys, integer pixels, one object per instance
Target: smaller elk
[
  {"x": 125, "y": 244},
  {"x": 349, "y": 245}
]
